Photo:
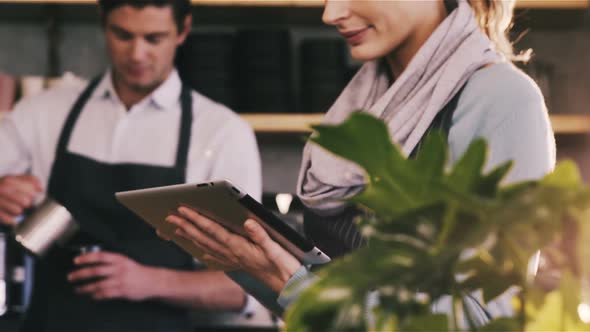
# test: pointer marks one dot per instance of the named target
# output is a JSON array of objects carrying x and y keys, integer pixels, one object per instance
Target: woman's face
[{"x": 378, "y": 28}]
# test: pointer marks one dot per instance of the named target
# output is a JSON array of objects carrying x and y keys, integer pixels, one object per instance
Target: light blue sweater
[{"x": 505, "y": 107}]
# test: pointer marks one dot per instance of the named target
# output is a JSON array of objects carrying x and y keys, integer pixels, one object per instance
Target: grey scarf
[{"x": 454, "y": 51}]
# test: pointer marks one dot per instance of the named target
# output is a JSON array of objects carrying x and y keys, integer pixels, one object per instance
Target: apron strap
[
  {"x": 186, "y": 122},
  {"x": 442, "y": 122},
  {"x": 73, "y": 116}
]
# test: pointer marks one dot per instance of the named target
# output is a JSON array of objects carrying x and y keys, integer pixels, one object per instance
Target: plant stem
[
  {"x": 455, "y": 318},
  {"x": 522, "y": 311}
]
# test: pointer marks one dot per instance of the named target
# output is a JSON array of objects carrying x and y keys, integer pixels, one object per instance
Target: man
[{"x": 134, "y": 127}]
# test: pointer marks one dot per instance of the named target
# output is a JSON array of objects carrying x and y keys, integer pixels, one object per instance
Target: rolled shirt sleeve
[{"x": 15, "y": 155}]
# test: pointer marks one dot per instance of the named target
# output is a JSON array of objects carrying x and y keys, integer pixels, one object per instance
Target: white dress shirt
[{"x": 222, "y": 146}]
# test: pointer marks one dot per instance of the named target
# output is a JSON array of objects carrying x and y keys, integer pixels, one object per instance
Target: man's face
[{"x": 142, "y": 44}]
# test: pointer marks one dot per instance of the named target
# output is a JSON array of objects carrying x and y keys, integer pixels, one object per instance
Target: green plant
[{"x": 434, "y": 231}]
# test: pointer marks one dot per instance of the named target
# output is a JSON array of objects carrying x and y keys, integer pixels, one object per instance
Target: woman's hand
[{"x": 259, "y": 255}]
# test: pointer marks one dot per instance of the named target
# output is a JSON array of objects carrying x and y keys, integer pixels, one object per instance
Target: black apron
[{"x": 86, "y": 188}]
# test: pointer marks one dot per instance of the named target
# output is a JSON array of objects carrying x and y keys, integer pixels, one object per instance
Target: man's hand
[
  {"x": 17, "y": 193},
  {"x": 120, "y": 277}
]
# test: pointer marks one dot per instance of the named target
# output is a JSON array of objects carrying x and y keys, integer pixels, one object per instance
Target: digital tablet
[{"x": 222, "y": 202}]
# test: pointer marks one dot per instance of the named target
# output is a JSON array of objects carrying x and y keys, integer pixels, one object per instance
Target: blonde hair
[{"x": 495, "y": 19}]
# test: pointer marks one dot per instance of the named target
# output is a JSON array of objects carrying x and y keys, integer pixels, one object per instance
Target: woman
[{"x": 427, "y": 64}]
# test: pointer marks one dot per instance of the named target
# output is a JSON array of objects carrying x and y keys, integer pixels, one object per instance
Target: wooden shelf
[
  {"x": 301, "y": 123},
  {"x": 283, "y": 123},
  {"x": 243, "y": 3},
  {"x": 570, "y": 123},
  {"x": 553, "y": 4},
  {"x": 533, "y": 4},
  {"x": 563, "y": 124},
  {"x": 260, "y": 3}
]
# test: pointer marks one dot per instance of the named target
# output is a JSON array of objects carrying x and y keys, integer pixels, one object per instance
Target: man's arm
[
  {"x": 17, "y": 191},
  {"x": 14, "y": 155},
  {"x": 236, "y": 158},
  {"x": 203, "y": 290},
  {"x": 122, "y": 278}
]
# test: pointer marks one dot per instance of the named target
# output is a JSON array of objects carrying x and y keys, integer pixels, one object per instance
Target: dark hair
[{"x": 180, "y": 8}]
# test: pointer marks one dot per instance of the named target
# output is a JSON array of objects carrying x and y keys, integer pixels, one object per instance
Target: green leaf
[
  {"x": 514, "y": 189},
  {"x": 565, "y": 175},
  {"x": 501, "y": 324},
  {"x": 492, "y": 284},
  {"x": 378, "y": 197},
  {"x": 395, "y": 184},
  {"x": 485, "y": 275},
  {"x": 427, "y": 323},
  {"x": 559, "y": 310},
  {"x": 488, "y": 185},
  {"x": 363, "y": 139},
  {"x": 319, "y": 307},
  {"x": 467, "y": 171},
  {"x": 448, "y": 225},
  {"x": 385, "y": 320},
  {"x": 422, "y": 219},
  {"x": 431, "y": 158},
  {"x": 582, "y": 249}
]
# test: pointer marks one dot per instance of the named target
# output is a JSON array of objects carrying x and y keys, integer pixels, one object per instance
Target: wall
[{"x": 562, "y": 45}]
